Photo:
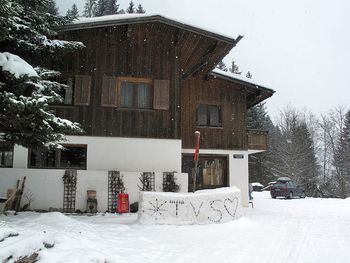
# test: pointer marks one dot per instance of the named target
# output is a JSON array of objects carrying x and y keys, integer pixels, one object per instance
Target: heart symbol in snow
[{"x": 231, "y": 206}]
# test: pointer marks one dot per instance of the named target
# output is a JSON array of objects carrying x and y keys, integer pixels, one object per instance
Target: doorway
[{"x": 212, "y": 171}]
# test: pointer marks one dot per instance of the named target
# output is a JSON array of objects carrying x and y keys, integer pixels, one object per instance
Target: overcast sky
[{"x": 299, "y": 48}]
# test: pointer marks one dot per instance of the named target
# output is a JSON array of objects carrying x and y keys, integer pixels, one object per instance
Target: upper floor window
[
  {"x": 76, "y": 89},
  {"x": 136, "y": 94},
  {"x": 209, "y": 115},
  {"x": 6, "y": 155},
  {"x": 67, "y": 91},
  {"x": 72, "y": 156}
]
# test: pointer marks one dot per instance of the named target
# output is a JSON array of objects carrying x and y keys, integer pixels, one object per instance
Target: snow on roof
[
  {"x": 83, "y": 20},
  {"x": 238, "y": 77},
  {"x": 16, "y": 66},
  {"x": 141, "y": 17}
]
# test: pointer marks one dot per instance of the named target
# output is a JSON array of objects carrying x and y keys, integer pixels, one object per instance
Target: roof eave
[
  {"x": 239, "y": 81},
  {"x": 149, "y": 19}
]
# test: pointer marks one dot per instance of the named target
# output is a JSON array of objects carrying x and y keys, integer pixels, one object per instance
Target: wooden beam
[{"x": 202, "y": 63}]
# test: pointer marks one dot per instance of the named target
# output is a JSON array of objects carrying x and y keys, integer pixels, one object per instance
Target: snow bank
[
  {"x": 203, "y": 207},
  {"x": 6, "y": 232},
  {"x": 16, "y": 66}
]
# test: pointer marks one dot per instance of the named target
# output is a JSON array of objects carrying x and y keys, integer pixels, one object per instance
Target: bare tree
[
  {"x": 295, "y": 151},
  {"x": 336, "y": 155}
]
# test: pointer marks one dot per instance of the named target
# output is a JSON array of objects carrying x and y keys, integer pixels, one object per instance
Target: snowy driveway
[{"x": 298, "y": 230}]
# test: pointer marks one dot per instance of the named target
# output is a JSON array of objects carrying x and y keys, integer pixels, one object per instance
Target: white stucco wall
[
  {"x": 130, "y": 156},
  {"x": 123, "y": 154},
  {"x": 238, "y": 169},
  {"x": 46, "y": 186}
]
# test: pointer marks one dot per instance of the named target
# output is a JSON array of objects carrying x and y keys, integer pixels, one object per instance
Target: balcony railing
[{"x": 257, "y": 140}]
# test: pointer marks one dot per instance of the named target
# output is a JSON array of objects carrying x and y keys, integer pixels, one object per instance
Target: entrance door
[{"x": 212, "y": 171}]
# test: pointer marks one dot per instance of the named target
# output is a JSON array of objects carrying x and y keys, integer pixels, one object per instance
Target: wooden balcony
[{"x": 257, "y": 140}]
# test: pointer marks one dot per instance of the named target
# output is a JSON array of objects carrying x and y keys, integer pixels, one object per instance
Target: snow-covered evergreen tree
[
  {"x": 112, "y": 7},
  {"x": 73, "y": 13},
  {"x": 249, "y": 75},
  {"x": 140, "y": 9},
  {"x": 262, "y": 165},
  {"x": 221, "y": 65},
  {"x": 234, "y": 68},
  {"x": 52, "y": 8},
  {"x": 131, "y": 8},
  {"x": 27, "y": 89},
  {"x": 101, "y": 8}
]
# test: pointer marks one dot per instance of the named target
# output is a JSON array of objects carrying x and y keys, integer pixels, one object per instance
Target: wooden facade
[
  {"x": 160, "y": 53},
  {"x": 175, "y": 60},
  {"x": 232, "y": 101}
]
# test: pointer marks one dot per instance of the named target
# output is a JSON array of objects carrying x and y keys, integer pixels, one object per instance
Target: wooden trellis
[
  {"x": 69, "y": 191},
  {"x": 115, "y": 187}
]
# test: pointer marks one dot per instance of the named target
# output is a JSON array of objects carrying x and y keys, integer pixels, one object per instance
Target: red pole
[{"x": 196, "y": 158}]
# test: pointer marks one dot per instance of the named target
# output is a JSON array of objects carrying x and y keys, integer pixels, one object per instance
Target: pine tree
[
  {"x": 101, "y": 8},
  {"x": 249, "y": 75},
  {"x": 131, "y": 8},
  {"x": 89, "y": 8},
  {"x": 234, "y": 68},
  {"x": 262, "y": 165},
  {"x": 27, "y": 34},
  {"x": 222, "y": 66},
  {"x": 112, "y": 7},
  {"x": 52, "y": 8},
  {"x": 140, "y": 9},
  {"x": 72, "y": 13}
]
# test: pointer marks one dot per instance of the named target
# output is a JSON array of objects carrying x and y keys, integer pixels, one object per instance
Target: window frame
[
  {"x": 207, "y": 111},
  {"x": 64, "y": 78},
  {"x": 1, "y": 151},
  {"x": 135, "y": 92},
  {"x": 57, "y": 153}
]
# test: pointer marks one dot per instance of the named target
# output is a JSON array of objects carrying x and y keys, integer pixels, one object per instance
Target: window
[
  {"x": 67, "y": 91},
  {"x": 82, "y": 88},
  {"x": 213, "y": 172},
  {"x": 209, "y": 115},
  {"x": 135, "y": 94},
  {"x": 72, "y": 156},
  {"x": 6, "y": 155}
]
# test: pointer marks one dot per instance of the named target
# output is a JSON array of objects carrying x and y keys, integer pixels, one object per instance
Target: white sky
[{"x": 299, "y": 48}]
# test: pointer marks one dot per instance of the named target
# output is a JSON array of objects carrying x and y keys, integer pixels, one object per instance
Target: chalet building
[{"x": 140, "y": 89}]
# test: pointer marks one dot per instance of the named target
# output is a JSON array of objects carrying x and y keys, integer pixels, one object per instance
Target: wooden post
[{"x": 196, "y": 157}]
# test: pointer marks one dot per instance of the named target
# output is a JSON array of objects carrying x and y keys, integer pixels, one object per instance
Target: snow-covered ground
[{"x": 298, "y": 230}]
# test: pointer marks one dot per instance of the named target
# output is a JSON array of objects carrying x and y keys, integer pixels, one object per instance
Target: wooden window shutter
[
  {"x": 161, "y": 94},
  {"x": 82, "y": 89},
  {"x": 110, "y": 96}
]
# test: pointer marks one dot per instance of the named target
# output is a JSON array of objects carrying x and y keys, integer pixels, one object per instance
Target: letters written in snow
[{"x": 213, "y": 210}]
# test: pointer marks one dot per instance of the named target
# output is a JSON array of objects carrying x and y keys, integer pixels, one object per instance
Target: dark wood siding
[
  {"x": 232, "y": 100},
  {"x": 138, "y": 51},
  {"x": 153, "y": 51}
]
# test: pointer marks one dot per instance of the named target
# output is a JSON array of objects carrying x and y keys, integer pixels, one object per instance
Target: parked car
[
  {"x": 285, "y": 187},
  {"x": 257, "y": 187}
]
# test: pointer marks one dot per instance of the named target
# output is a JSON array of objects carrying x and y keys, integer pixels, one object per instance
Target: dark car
[{"x": 285, "y": 187}]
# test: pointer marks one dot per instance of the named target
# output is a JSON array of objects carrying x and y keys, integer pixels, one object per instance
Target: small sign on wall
[{"x": 238, "y": 156}]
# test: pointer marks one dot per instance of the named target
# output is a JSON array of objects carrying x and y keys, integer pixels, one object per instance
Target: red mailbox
[{"x": 123, "y": 203}]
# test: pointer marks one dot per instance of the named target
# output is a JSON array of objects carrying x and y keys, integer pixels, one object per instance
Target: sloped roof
[
  {"x": 120, "y": 19},
  {"x": 256, "y": 92}
]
